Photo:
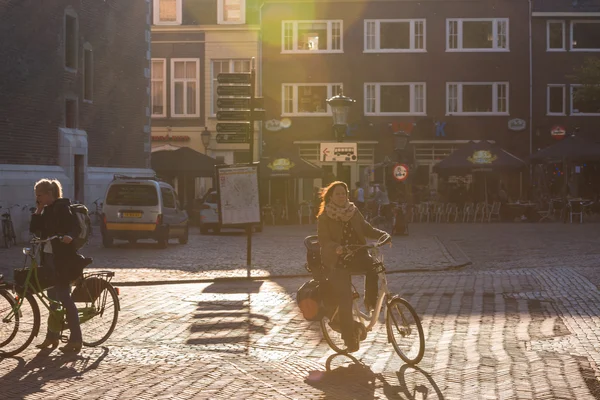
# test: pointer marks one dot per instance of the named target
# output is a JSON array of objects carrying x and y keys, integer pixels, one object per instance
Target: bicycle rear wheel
[
  {"x": 405, "y": 331},
  {"x": 99, "y": 312},
  {"x": 17, "y": 330},
  {"x": 332, "y": 336}
]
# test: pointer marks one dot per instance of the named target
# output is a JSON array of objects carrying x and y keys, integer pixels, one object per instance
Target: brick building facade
[{"x": 74, "y": 95}]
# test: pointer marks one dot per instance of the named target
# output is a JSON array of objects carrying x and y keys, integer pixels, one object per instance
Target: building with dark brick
[{"x": 74, "y": 95}]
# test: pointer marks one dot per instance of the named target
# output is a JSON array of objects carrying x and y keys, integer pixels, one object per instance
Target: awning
[
  {"x": 288, "y": 164},
  {"x": 479, "y": 157},
  {"x": 573, "y": 148},
  {"x": 183, "y": 160}
]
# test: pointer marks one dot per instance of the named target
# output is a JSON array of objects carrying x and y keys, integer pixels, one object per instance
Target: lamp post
[
  {"x": 340, "y": 108},
  {"x": 401, "y": 140},
  {"x": 205, "y": 137}
]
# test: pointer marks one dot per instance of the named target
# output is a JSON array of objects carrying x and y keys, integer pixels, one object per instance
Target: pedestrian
[
  {"x": 59, "y": 258},
  {"x": 341, "y": 224},
  {"x": 359, "y": 197}
]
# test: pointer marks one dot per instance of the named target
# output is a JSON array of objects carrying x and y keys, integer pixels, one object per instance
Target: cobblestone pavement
[
  {"x": 524, "y": 333},
  {"x": 277, "y": 251}
]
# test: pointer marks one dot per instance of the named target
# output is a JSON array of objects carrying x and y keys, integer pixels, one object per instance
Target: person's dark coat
[{"x": 56, "y": 219}]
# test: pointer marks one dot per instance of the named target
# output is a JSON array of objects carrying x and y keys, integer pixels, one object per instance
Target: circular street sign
[
  {"x": 400, "y": 172},
  {"x": 558, "y": 132}
]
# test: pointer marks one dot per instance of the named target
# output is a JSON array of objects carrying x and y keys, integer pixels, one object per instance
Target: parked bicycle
[
  {"x": 404, "y": 329},
  {"x": 96, "y": 299},
  {"x": 9, "y": 236},
  {"x": 96, "y": 215}
]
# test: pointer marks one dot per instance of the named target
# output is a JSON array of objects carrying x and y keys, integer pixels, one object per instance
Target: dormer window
[
  {"x": 167, "y": 12},
  {"x": 231, "y": 12}
]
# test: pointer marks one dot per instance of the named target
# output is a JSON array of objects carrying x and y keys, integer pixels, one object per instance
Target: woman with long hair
[{"x": 341, "y": 224}]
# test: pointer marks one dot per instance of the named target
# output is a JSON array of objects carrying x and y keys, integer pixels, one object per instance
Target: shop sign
[
  {"x": 273, "y": 125},
  {"x": 482, "y": 157},
  {"x": 400, "y": 172},
  {"x": 517, "y": 124},
  {"x": 281, "y": 164},
  {"x": 168, "y": 138},
  {"x": 558, "y": 132}
]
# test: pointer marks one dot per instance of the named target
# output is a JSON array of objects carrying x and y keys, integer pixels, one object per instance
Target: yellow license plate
[{"x": 132, "y": 215}]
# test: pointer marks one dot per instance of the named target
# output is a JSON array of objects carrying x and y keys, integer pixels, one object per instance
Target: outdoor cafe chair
[
  {"x": 494, "y": 211},
  {"x": 479, "y": 211}
]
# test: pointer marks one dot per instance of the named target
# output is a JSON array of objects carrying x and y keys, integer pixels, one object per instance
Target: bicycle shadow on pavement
[
  {"x": 357, "y": 381},
  {"x": 228, "y": 321},
  {"x": 28, "y": 377}
]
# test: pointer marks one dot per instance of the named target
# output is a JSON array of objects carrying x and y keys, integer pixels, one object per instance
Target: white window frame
[
  {"x": 595, "y": 21},
  {"x": 377, "y": 86},
  {"x": 295, "y": 111},
  {"x": 564, "y": 34},
  {"x": 164, "y": 87},
  {"x": 156, "y": 14},
  {"x": 295, "y": 49},
  {"x": 220, "y": 14},
  {"x": 459, "y": 94},
  {"x": 173, "y": 80},
  {"x": 460, "y": 21},
  {"x": 564, "y": 98},
  {"x": 572, "y": 102},
  {"x": 214, "y": 83},
  {"x": 412, "y": 24}
]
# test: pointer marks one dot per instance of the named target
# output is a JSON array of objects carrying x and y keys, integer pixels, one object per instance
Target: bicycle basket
[
  {"x": 45, "y": 279},
  {"x": 88, "y": 290}
]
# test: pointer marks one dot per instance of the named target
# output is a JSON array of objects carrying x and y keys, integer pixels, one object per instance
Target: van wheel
[
  {"x": 163, "y": 241},
  {"x": 107, "y": 241},
  {"x": 184, "y": 239}
]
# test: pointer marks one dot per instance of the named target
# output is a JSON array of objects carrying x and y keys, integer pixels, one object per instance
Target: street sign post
[
  {"x": 232, "y": 138},
  {"x": 233, "y": 127},
  {"x": 338, "y": 151},
  {"x": 243, "y": 91},
  {"x": 243, "y": 78},
  {"x": 234, "y": 102},
  {"x": 234, "y": 115}
]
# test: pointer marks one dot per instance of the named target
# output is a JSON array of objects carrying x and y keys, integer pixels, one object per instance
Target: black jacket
[{"x": 56, "y": 219}]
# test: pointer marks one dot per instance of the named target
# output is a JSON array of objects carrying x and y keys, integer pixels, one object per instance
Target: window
[
  {"x": 71, "y": 113},
  {"x": 308, "y": 99},
  {"x": 159, "y": 87},
  {"x": 477, "y": 98},
  {"x": 389, "y": 35},
  {"x": 132, "y": 195},
  {"x": 581, "y": 107},
  {"x": 555, "y": 100},
  {"x": 71, "y": 41},
  {"x": 167, "y": 197},
  {"x": 555, "y": 32},
  {"x": 485, "y": 34},
  {"x": 395, "y": 98},
  {"x": 231, "y": 12},
  {"x": 225, "y": 66},
  {"x": 167, "y": 12},
  {"x": 185, "y": 96},
  {"x": 585, "y": 35},
  {"x": 88, "y": 73},
  {"x": 312, "y": 36}
]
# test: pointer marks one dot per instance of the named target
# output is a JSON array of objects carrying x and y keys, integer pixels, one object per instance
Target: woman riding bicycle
[
  {"x": 341, "y": 224},
  {"x": 59, "y": 257}
]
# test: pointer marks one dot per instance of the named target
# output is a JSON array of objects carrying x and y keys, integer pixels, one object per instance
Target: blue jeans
[{"x": 62, "y": 293}]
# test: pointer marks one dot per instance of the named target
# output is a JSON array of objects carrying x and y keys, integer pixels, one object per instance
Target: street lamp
[
  {"x": 340, "y": 108},
  {"x": 205, "y": 137}
]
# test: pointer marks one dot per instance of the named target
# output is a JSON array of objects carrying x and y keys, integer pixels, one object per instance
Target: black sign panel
[
  {"x": 238, "y": 115},
  {"x": 240, "y": 78},
  {"x": 233, "y": 127},
  {"x": 245, "y": 91},
  {"x": 232, "y": 138},
  {"x": 233, "y": 103},
  {"x": 259, "y": 115}
]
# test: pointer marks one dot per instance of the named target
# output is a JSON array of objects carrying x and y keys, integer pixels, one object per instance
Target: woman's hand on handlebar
[{"x": 340, "y": 250}]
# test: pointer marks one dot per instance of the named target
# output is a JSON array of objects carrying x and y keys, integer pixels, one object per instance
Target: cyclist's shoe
[
  {"x": 352, "y": 344},
  {"x": 71, "y": 347},
  {"x": 47, "y": 344}
]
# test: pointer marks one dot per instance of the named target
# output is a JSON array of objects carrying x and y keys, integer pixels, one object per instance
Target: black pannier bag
[
  {"x": 315, "y": 299},
  {"x": 88, "y": 290}
]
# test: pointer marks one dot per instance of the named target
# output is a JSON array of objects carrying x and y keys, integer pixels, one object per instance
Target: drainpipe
[
  {"x": 530, "y": 89},
  {"x": 259, "y": 78}
]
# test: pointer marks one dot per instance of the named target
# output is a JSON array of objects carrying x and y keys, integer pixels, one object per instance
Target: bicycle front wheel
[
  {"x": 19, "y": 324},
  {"x": 405, "y": 331},
  {"x": 99, "y": 313}
]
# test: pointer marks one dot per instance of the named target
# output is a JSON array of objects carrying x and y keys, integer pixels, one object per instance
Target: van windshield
[{"x": 132, "y": 195}]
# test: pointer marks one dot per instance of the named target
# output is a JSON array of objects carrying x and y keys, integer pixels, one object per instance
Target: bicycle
[
  {"x": 400, "y": 315},
  {"x": 8, "y": 230},
  {"x": 96, "y": 299}
]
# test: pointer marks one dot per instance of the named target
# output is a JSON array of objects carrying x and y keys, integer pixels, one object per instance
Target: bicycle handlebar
[
  {"x": 349, "y": 250},
  {"x": 37, "y": 240}
]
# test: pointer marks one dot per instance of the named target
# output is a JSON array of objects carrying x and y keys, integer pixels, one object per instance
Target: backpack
[
  {"x": 83, "y": 222},
  {"x": 316, "y": 300}
]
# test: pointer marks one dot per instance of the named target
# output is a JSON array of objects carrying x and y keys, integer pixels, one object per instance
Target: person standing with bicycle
[
  {"x": 59, "y": 257},
  {"x": 341, "y": 224}
]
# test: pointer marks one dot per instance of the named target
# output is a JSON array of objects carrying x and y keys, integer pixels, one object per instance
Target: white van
[{"x": 142, "y": 208}]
